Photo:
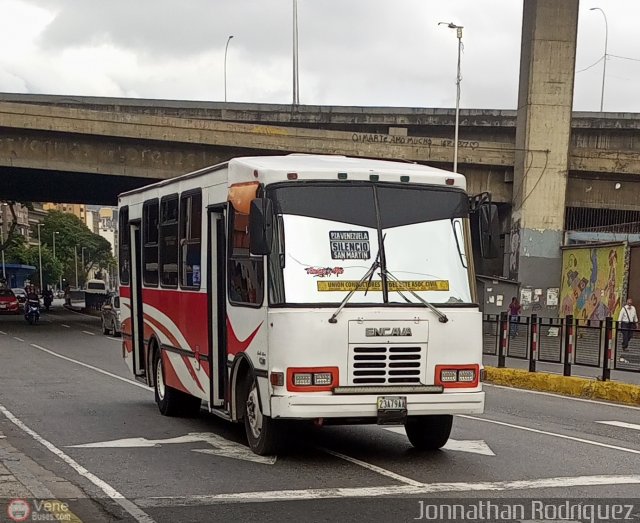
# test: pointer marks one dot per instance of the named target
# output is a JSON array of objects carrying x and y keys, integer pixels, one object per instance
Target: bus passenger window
[
  {"x": 245, "y": 274},
  {"x": 190, "y": 233},
  {"x": 169, "y": 241},
  {"x": 124, "y": 260},
  {"x": 150, "y": 242}
]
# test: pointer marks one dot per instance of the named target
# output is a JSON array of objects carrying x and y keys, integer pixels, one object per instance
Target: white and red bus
[{"x": 300, "y": 287}]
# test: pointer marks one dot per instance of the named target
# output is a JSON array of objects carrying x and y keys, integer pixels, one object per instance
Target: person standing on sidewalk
[
  {"x": 514, "y": 312},
  {"x": 628, "y": 320}
]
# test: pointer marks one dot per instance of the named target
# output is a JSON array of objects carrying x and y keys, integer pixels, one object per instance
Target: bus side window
[
  {"x": 124, "y": 260},
  {"x": 169, "y": 241},
  {"x": 190, "y": 239},
  {"x": 150, "y": 242},
  {"x": 245, "y": 274}
]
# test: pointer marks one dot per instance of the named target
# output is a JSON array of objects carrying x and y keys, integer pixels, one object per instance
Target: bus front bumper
[{"x": 312, "y": 406}]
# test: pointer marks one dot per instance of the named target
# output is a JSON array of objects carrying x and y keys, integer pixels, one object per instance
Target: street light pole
[
  {"x": 606, "y": 42},
  {"x": 75, "y": 255},
  {"x": 4, "y": 274},
  {"x": 226, "y": 47},
  {"x": 296, "y": 84},
  {"x": 40, "y": 256},
  {"x": 83, "y": 270},
  {"x": 54, "y": 255},
  {"x": 458, "y": 29}
]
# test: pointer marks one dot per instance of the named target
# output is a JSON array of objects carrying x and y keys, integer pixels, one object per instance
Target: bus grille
[{"x": 387, "y": 365}]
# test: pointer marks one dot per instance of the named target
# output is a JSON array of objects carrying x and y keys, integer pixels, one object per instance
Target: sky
[{"x": 351, "y": 52}]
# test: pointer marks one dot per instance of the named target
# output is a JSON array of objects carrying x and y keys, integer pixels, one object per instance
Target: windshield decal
[
  {"x": 349, "y": 245},
  {"x": 322, "y": 272},
  {"x": 376, "y": 285}
]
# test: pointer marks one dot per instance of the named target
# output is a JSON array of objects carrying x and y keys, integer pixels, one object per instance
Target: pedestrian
[
  {"x": 514, "y": 313},
  {"x": 627, "y": 320}
]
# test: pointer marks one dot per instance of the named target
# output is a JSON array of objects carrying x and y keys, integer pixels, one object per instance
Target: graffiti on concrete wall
[{"x": 592, "y": 282}]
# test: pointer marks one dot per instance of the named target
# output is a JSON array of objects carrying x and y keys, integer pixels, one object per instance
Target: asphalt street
[{"x": 68, "y": 402}]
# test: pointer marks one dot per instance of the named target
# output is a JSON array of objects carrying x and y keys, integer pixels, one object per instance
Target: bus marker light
[
  {"x": 449, "y": 375},
  {"x": 467, "y": 375},
  {"x": 277, "y": 379},
  {"x": 292, "y": 176},
  {"x": 342, "y": 176},
  {"x": 449, "y": 181}
]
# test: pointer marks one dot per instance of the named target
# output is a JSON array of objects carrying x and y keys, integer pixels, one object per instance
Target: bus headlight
[
  {"x": 452, "y": 376},
  {"x": 312, "y": 379}
]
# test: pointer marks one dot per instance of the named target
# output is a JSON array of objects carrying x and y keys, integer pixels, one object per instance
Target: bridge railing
[{"x": 603, "y": 344}]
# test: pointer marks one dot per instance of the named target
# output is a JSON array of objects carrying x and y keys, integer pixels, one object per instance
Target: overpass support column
[{"x": 545, "y": 100}]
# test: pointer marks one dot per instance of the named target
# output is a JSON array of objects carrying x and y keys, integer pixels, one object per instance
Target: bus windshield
[{"x": 329, "y": 234}]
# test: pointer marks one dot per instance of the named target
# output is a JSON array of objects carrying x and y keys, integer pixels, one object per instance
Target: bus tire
[
  {"x": 429, "y": 432},
  {"x": 263, "y": 433},
  {"x": 172, "y": 402}
]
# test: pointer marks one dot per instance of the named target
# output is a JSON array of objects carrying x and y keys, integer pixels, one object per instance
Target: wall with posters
[{"x": 594, "y": 281}]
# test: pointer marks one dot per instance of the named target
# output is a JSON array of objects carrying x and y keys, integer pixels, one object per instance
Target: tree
[
  {"x": 11, "y": 231},
  {"x": 71, "y": 235},
  {"x": 18, "y": 251}
]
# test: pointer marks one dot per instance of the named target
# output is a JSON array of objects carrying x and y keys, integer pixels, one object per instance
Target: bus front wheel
[
  {"x": 262, "y": 432},
  {"x": 429, "y": 432}
]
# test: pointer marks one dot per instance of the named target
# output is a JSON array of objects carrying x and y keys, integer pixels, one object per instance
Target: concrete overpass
[{"x": 68, "y": 147}]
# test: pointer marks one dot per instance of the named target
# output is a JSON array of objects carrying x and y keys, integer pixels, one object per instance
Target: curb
[{"x": 568, "y": 385}]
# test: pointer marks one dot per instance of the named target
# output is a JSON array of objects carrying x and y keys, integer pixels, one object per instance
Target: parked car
[
  {"x": 9, "y": 302},
  {"x": 21, "y": 294},
  {"x": 110, "y": 313}
]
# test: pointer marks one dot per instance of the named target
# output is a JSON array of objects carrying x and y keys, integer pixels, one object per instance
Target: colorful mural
[{"x": 593, "y": 280}]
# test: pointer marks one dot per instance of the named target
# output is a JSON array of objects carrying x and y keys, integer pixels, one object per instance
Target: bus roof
[{"x": 271, "y": 169}]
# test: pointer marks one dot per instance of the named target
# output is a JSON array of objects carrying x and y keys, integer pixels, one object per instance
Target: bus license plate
[{"x": 392, "y": 410}]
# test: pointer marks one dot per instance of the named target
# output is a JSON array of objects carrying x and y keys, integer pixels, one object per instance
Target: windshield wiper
[
  {"x": 369, "y": 274},
  {"x": 442, "y": 317}
]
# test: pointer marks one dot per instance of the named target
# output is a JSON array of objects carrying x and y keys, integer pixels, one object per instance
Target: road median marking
[
  {"x": 552, "y": 434},
  {"x": 626, "y": 393},
  {"x": 89, "y": 333},
  {"x": 96, "y": 369},
  {"x": 65, "y": 325},
  {"x": 390, "y": 490},
  {"x": 16, "y": 338},
  {"x": 621, "y": 424}
]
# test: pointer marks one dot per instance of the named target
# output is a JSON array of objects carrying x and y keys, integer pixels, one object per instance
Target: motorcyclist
[
  {"x": 47, "y": 296},
  {"x": 32, "y": 298}
]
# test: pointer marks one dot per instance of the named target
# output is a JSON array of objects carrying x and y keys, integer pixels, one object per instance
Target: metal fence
[{"x": 601, "y": 344}]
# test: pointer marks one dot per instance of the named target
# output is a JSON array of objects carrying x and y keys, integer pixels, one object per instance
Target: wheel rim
[
  {"x": 159, "y": 380},
  {"x": 254, "y": 415}
]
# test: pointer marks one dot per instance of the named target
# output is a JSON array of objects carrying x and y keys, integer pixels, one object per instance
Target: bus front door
[
  {"x": 217, "y": 309},
  {"x": 137, "y": 324}
]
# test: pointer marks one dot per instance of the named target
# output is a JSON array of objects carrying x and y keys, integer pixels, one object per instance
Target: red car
[{"x": 8, "y": 302}]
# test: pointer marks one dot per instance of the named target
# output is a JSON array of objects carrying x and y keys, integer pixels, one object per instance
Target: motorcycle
[
  {"x": 32, "y": 311},
  {"x": 47, "y": 301}
]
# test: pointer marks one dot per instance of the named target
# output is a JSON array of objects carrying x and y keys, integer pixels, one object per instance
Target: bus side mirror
[
  {"x": 489, "y": 227},
  {"x": 260, "y": 226}
]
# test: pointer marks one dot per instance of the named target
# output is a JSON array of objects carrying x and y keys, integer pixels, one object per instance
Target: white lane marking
[
  {"x": 375, "y": 468},
  {"x": 129, "y": 506},
  {"x": 553, "y": 434},
  {"x": 560, "y": 396},
  {"x": 89, "y": 333},
  {"x": 82, "y": 313},
  {"x": 621, "y": 424},
  {"x": 472, "y": 446},
  {"x": 391, "y": 490},
  {"x": 3, "y": 333},
  {"x": 65, "y": 325},
  {"x": 106, "y": 373},
  {"x": 113, "y": 339},
  {"x": 221, "y": 446},
  {"x": 16, "y": 338}
]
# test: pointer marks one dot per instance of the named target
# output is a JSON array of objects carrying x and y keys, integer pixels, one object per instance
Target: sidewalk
[{"x": 29, "y": 492}]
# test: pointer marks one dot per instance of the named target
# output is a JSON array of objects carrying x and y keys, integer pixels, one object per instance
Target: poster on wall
[
  {"x": 552, "y": 296},
  {"x": 592, "y": 281},
  {"x": 525, "y": 296}
]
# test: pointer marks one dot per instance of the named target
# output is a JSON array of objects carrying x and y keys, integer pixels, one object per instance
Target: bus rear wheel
[
  {"x": 429, "y": 432},
  {"x": 263, "y": 433},
  {"x": 172, "y": 402}
]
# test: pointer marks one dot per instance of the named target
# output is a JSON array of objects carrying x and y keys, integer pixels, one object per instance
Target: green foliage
[
  {"x": 18, "y": 251},
  {"x": 72, "y": 235}
]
